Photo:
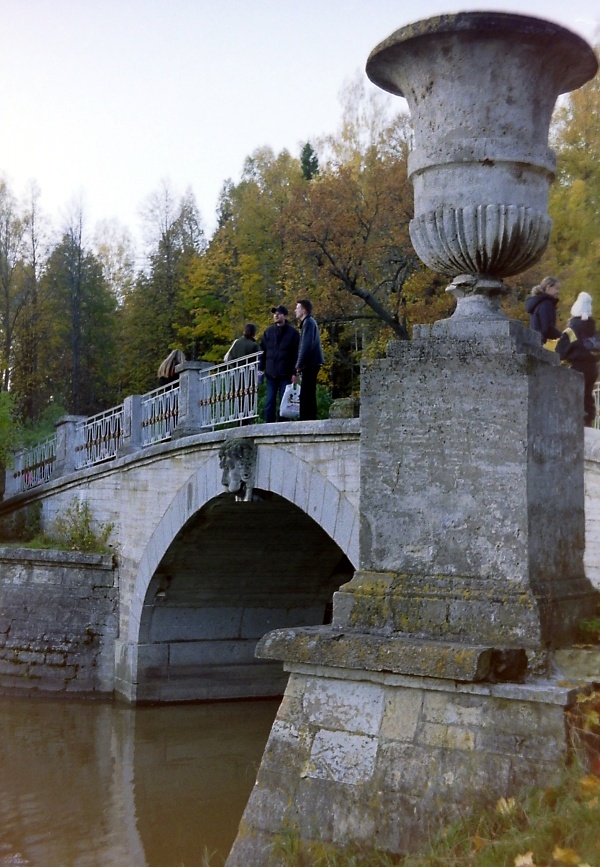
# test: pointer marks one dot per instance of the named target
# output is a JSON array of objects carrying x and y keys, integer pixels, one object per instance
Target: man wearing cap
[{"x": 279, "y": 345}]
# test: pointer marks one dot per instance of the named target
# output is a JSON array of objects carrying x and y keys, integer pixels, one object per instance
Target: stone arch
[{"x": 278, "y": 471}]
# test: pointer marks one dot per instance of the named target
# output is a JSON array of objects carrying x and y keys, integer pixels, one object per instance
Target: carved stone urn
[{"x": 481, "y": 88}]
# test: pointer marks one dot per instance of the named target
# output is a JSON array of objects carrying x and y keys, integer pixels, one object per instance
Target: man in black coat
[{"x": 279, "y": 345}]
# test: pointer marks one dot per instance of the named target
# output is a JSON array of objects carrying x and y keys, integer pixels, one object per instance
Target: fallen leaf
[
  {"x": 525, "y": 860},
  {"x": 565, "y": 856}
]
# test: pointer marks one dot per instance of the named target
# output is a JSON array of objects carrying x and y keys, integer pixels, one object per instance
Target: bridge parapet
[{"x": 204, "y": 397}]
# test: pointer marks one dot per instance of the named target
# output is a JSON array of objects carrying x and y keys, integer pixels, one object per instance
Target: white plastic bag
[
  {"x": 290, "y": 402},
  {"x": 226, "y": 356}
]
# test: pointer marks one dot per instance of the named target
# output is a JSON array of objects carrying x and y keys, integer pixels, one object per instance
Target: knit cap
[{"x": 582, "y": 306}]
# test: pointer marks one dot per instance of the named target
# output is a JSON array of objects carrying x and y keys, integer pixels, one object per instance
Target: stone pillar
[
  {"x": 12, "y": 475},
  {"x": 66, "y": 444},
  {"x": 428, "y": 691},
  {"x": 190, "y": 393},
  {"x": 132, "y": 424},
  {"x": 472, "y": 497}
]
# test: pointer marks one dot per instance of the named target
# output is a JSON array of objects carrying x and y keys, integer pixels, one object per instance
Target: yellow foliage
[{"x": 566, "y": 856}]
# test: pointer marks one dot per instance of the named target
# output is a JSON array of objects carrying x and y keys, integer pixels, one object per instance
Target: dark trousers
[
  {"x": 308, "y": 393},
  {"x": 589, "y": 370},
  {"x": 275, "y": 388}
]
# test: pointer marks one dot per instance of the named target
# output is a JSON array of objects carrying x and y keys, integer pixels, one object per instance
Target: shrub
[{"x": 74, "y": 530}]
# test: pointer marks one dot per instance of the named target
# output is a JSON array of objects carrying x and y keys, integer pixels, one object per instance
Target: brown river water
[{"x": 93, "y": 784}]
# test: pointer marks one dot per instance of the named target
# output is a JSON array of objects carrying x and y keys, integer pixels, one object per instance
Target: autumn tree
[
  {"x": 573, "y": 254},
  {"x": 27, "y": 374},
  {"x": 575, "y": 195},
  {"x": 13, "y": 282},
  {"x": 80, "y": 351},
  {"x": 154, "y": 314},
  {"x": 242, "y": 272}
]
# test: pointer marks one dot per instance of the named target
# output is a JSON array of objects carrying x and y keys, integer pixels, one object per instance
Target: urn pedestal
[{"x": 433, "y": 689}]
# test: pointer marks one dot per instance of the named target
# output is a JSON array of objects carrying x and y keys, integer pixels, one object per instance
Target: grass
[{"x": 544, "y": 826}]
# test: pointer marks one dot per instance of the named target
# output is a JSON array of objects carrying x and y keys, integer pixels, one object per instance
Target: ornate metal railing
[
  {"x": 214, "y": 396},
  {"x": 229, "y": 392},
  {"x": 99, "y": 437},
  {"x": 160, "y": 412},
  {"x": 34, "y": 465}
]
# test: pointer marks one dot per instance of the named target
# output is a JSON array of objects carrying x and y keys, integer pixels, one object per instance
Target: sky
[{"x": 102, "y": 101}]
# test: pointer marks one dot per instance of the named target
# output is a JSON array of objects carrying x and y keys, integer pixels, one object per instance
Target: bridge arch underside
[{"x": 234, "y": 572}]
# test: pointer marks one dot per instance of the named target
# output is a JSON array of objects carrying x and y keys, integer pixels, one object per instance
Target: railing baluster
[
  {"x": 160, "y": 412},
  {"x": 99, "y": 437},
  {"x": 36, "y": 464}
]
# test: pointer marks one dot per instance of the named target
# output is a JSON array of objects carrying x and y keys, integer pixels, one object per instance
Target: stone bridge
[{"x": 201, "y": 576}]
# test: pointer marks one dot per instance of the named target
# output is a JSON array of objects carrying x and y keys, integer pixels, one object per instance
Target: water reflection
[{"x": 94, "y": 784}]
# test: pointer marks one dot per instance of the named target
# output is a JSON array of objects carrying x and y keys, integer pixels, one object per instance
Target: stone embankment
[{"x": 58, "y": 621}]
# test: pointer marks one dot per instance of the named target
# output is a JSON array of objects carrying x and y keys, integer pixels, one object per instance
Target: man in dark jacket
[
  {"x": 279, "y": 345},
  {"x": 310, "y": 359},
  {"x": 541, "y": 306}
]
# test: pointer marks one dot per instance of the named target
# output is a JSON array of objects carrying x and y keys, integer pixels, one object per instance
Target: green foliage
[
  {"x": 155, "y": 314},
  {"x": 75, "y": 530},
  {"x": 23, "y": 526},
  {"x": 10, "y": 428},
  {"x": 588, "y": 630},
  {"x": 36, "y": 430},
  {"x": 309, "y": 162}
]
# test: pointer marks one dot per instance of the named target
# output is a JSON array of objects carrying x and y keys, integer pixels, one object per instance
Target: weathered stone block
[
  {"x": 342, "y": 756},
  {"x": 446, "y": 737},
  {"x": 355, "y": 707},
  {"x": 401, "y": 714}
]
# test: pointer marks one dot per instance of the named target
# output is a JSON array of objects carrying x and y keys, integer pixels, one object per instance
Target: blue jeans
[{"x": 275, "y": 388}]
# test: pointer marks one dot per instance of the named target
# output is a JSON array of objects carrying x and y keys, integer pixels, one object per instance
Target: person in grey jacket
[{"x": 310, "y": 359}]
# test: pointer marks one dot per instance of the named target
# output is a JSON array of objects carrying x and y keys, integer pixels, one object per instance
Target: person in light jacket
[
  {"x": 310, "y": 359},
  {"x": 572, "y": 349}
]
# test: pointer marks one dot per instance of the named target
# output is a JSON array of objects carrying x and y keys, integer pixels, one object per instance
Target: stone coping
[
  {"x": 398, "y": 654},
  {"x": 55, "y": 557},
  {"x": 549, "y": 691}
]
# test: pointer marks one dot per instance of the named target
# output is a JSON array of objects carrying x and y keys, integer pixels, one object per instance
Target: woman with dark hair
[
  {"x": 541, "y": 306},
  {"x": 245, "y": 345}
]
